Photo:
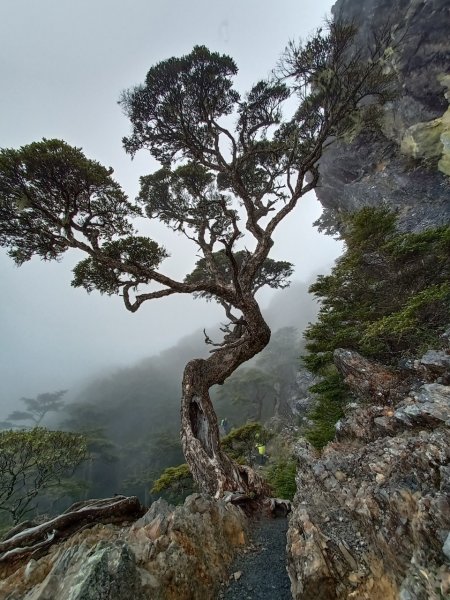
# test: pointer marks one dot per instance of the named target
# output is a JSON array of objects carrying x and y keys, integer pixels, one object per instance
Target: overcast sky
[{"x": 63, "y": 64}]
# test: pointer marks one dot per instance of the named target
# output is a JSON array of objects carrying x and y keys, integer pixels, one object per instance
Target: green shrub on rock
[
  {"x": 174, "y": 484},
  {"x": 387, "y": 297},
  {"x": 281, "y": 477}
]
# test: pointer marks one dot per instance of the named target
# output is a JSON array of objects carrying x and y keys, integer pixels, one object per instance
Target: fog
[{"x": 63, "y": 65}]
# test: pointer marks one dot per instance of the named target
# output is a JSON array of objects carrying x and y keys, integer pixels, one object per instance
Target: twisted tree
[{"x": 219, "y": 184}]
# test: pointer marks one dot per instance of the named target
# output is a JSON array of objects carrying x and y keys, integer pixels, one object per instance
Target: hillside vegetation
[{"x": 388, "y": 298}]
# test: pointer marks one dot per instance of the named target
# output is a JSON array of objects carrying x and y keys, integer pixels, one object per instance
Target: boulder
[
  {"x": 104, "y": 571},
  {"x": 435, "y": 363},
  {"x": 371, "y": 521},
  {"x": 371, "y": 516},
  {"x": 430, "y": 405},
  {"x": 366, "y": 378},
  {"x": 168, "y": 554}
]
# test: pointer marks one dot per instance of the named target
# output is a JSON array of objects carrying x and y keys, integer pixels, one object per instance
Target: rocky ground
[
  {"x": 372, "y": 512},
  {"x": 168, "y": 554},
  {"x": 259, "y": 572}
]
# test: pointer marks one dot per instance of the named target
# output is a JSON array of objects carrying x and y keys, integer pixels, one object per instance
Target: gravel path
[{"x": 263, "y": 566}]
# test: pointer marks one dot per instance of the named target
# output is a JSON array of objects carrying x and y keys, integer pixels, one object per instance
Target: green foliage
[
  {"x": 186, "y": 196},
  {"x": 368, "y": 229},
  {"x": 274, "y": 273},
  {"x": 31, "y": 462},
  {"x": 415, "y": 325},
  {"x": 328, "y": 409},
  {"x": 240, "y": 444},
  {"x": 174, "y": 484},
  {"x": 387, "y": 297},
  {"x": 281, "y": 477},
  {"x": 49, "y": 187},
  {"x": 196, "y": 86},
  {"x": 102, "y": 272}
]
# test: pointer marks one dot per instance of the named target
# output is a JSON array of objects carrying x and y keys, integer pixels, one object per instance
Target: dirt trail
[{"x": 263, "y": 567}]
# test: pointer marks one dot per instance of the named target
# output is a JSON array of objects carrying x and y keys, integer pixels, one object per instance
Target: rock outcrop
[
  {"x": 407, "y": 166},
  {"x": 371, "y": 516},
  {"x": 169, "y": 553},
  {"x": 372, "y": 513},
  {"x": 368, "y": 380},
  {"x": 300, "y": 398}
]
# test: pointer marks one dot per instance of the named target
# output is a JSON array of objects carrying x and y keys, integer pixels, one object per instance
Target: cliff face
[
  {"x": 372, "y": 513},
  {"x": 371, "y": 516},
  {"x": 406, "y": 167}
]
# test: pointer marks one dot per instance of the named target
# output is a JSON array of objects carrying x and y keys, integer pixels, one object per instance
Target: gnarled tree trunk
[{"x": 213, "y": 471}]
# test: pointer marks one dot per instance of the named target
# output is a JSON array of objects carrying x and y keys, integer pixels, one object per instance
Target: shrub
[
  {"x": 174, "y": 484},
  {"x": 281, "y": 477},
  {"x": 32, "y": 462},
  {"x": 387, "y": 297}
]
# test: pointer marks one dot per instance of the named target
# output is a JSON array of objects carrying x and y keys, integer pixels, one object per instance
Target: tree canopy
[
  {"x": 32, "y": 461},
  {"x": 233, "y": 167},
  {"x": 53, "y": 197}
]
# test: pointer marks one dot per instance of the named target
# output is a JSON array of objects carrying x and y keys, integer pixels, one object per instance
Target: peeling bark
[{"x": 213, "y": 471}]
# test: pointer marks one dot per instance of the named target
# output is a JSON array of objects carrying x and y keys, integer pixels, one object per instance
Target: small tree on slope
[
  {"x": 215, "y": 184},
  {"x": 32, "y": 462}
]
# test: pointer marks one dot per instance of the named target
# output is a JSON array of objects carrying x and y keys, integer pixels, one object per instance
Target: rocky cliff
[
  {"x": 407, "y": 166},
  {"x": 371, "y": 515}
]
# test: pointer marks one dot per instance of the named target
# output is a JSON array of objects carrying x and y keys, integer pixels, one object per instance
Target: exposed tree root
[{"x": 33, "y": 542}]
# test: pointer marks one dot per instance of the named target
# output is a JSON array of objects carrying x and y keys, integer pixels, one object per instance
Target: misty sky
[{"x": 63, "y": 64}]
